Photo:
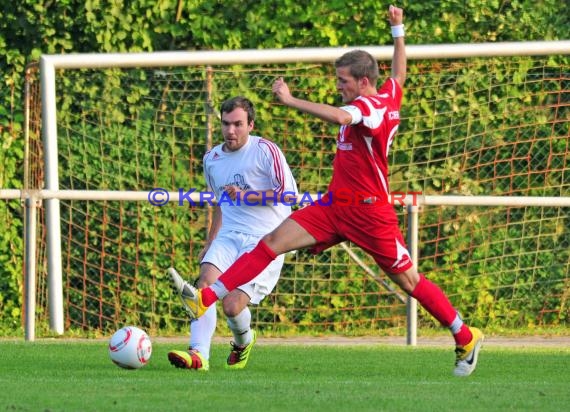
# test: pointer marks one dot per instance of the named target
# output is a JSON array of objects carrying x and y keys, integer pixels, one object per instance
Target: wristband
[{"x": 398, "y": 31}]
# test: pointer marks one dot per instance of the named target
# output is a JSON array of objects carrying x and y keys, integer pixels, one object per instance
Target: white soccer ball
[{"x": 130, "y": 348}]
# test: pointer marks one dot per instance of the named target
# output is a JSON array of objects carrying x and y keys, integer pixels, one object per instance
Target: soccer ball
[{"x": 130, "y": 348}]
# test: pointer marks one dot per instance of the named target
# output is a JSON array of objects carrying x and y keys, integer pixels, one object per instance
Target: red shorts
[{"x": 372, "y": 227}]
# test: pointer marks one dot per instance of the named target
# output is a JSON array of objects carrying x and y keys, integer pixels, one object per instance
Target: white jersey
[{"x": 258, "y": 166}]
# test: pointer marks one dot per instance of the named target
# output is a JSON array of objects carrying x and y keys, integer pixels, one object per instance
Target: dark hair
[
  {"x": 239, "y": 101},
  {"x": 360, "y": 63}
]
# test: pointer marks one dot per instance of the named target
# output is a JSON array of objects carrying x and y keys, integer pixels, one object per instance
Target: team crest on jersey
[
  {"x": 394, "y": 115},
  {"x": 238, "y": 181}
]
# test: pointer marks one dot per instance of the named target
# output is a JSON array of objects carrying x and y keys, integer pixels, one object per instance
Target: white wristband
[{"x": 398, "y": 31}]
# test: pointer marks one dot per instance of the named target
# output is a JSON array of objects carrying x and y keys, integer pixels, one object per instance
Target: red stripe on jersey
[{"x": 277, "y": 166}]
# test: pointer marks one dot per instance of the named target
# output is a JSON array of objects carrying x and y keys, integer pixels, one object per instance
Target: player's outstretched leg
[
  {"x": 240, "y": 354},
  {"x": 466, "y": 356},
  {"x": 190, "y": 296},
  {"x": 191, "y": 359}
]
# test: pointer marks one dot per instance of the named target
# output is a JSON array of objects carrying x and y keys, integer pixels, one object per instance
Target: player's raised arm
[
  {"x": 325, "y": 112},
  {"x": 396, "y": 18}
]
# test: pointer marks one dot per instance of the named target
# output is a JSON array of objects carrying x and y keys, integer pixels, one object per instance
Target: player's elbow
[{"x": 343, "y": 118}]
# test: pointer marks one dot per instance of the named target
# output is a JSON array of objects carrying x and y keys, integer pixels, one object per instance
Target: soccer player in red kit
[{"x": 357, "y": 206}]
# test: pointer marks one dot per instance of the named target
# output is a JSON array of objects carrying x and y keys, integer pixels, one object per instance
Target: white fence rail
[{"x": 31, "y": 200}]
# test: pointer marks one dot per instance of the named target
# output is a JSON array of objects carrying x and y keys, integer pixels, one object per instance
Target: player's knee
[
  {"x": 208, "y": 275},
  {"x": 408, "y": 288},
  {"x": 270, "y": 240},
  {"x": 407, "y": 281},
  {"x": 232, "y": 305},
  {"x": 202, "y": 283},
  {"x": 231, "y": 310}
]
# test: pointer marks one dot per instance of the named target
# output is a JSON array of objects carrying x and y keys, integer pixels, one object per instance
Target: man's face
[
  {"x": 347, "y": 85},
  {"x": 235, "y": 129}
]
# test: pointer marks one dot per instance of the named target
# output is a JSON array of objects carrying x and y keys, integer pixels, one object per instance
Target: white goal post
[{"x": 49, "y": 64}]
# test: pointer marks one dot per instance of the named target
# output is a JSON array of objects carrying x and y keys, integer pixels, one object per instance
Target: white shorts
[{"x": 228, "y": 246}]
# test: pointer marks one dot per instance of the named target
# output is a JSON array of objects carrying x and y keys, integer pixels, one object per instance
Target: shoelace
[
  {"x": 459, "y": 353},
  {"x": 235, "y": 354},
  {"x": 196, "y": 361}
]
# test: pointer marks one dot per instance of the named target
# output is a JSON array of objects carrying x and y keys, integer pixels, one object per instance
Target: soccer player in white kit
[{"x": 254, "y": 187}]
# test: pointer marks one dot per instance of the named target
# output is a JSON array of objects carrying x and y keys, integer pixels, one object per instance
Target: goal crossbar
[{"x": 307, "y": 54}]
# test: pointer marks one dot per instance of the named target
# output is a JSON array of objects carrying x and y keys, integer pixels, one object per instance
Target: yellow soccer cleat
[
  {"x": 191, "y": 359},
  {"x": 240, "y": 354},
  {"x": 190, "y": 296},
  {"x": 466, "y": 356}
]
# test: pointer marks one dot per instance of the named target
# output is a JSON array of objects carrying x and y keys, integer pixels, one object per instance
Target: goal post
[
  {"x": 52, "y": 210},
  {"x": 269, "y": 60}
]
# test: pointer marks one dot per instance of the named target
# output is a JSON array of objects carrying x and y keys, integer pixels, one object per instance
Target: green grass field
[{"x": 78, "y": 376}]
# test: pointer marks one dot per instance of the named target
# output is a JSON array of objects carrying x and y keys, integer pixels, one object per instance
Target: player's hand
[
  {"x": 281, "y": 90},
  {"x": 395, "y": 15},
  {"x": 232, "y": 191}
]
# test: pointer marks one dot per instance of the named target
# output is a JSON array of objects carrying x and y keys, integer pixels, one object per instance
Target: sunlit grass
[{"x": 78, "y": 376}]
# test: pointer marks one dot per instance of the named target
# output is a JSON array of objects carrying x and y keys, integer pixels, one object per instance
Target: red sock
[
  {"x": 243, "y": 270},
  {"x": 464, "y": 336},
  {"x": 208, "y": 296},
  {"x": 432, "y": 298}
]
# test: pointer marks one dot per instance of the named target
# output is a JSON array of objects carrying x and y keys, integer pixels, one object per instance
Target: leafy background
[{"x": 31, "y": 28}]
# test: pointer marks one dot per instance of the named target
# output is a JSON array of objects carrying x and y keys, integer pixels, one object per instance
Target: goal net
[{"x": 472, "y": 127}]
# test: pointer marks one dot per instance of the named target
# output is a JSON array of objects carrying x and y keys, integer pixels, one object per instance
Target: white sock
[
  {"x": 219, "y": 289},
  {"x": 202, "y": 330},
  {"x": 456, "y": 325},
  {"x": 240, "y": 327}
]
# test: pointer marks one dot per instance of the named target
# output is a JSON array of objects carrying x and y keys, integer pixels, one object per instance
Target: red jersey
[{"x": 360, "y": 168}]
